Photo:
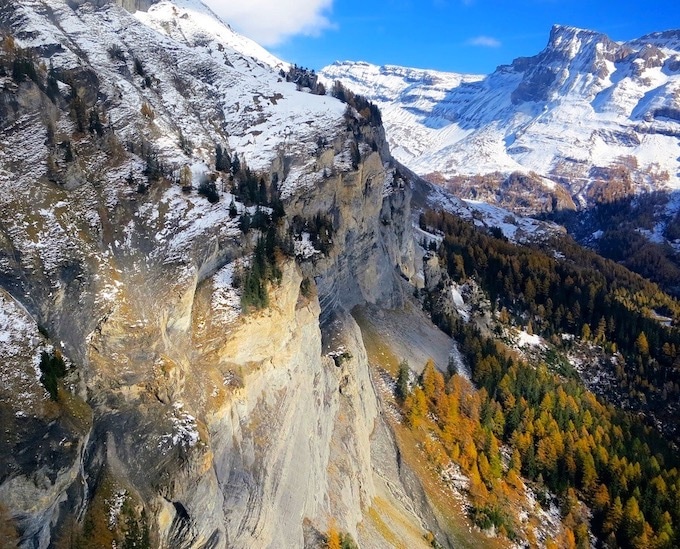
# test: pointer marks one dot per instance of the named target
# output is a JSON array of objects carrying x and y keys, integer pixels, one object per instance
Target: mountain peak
[
  {"x": 665, "y": 39},
  {"x": 566, "y": 38},
  {"x": 558, "y": 29}
]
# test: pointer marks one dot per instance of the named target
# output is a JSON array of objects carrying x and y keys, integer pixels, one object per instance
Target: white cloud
[
  {"x": 484, "y": 41},
  {"x": 271, "y": 22}
]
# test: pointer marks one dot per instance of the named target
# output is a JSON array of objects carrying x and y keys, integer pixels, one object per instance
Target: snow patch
[
  {"x": 304, "y": 248},
  {"x": 115, "y": 504},
  {"x": 459, "y": 303},
  {"x": 184, "y": 430},
  {"x": 21, "y": 347},
  {"x": 226, "y": 300},
  {"x": 525, "y": 339}
]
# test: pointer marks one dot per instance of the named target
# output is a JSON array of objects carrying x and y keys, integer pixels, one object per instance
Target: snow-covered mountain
[
  {"x": 584, "y": 110},
  {"x": 199, "y": 78},
  {"x": 188, "y": 246}
]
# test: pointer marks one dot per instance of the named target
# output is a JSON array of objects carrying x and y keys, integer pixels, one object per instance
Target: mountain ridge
[{"x": 580, "y": 106}]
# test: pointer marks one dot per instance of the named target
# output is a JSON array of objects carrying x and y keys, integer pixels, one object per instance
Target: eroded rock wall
[{"x": 372, "y": 243}]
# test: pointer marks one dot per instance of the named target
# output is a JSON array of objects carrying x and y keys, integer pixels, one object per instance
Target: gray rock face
[
  {"x": 370, "y": 209},
  {"x": 218, "y": 462},
  {"x": 181, "y": 420}
]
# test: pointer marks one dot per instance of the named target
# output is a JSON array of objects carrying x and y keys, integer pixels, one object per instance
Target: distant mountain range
[{"x": 587, "y": 119}]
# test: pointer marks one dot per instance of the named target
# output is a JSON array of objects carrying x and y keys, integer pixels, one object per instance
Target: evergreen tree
[
  {"x": 244, "y": 222},
  {"x": 95, "y": 125},
  {"x": 262, "y": 192},
  {"x": 52, "y": 84},
  {"x": 222, "y": 160},
  {"x": 403, "y": 380},
  {"x": 68, "y": 155},
  {"x": 78, "y": 112}
]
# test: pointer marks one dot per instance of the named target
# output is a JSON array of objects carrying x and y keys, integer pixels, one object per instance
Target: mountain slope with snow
[
  {"x": 175, "y": 411},
  {"x": 199, "y": 77},
  {"x": 179, "y": 411},
  {"x": 408, "y": 99},
  {"x": 585, "y": 109}
]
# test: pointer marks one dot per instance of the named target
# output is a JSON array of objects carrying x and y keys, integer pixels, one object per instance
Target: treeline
[
  {"x": 273, "y": 245},
  {"x": 368, "y": 111},
  {"x": 247, "y": 186},
  {"x": 657, "y": 262},
  {"x": 52, "y": 368},
  {"x": 22, "y": 65},
  {"x": 66, "y": 91},
  {"x": 262, "y": 270},
  {"x": 620, "y": 222},
  {"x": 559, "y": 436},
  {"x": 19, "y": 63},
  {"x": 129, "y": 530},
  {"x": 320, "y": 229},
  {"x": 563, "y": 288},
  {"x": 252, "y": 189},
  {"x": 303, "y": 78}
]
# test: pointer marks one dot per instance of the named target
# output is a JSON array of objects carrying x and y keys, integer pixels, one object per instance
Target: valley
[{"x": 246, "y": 305}]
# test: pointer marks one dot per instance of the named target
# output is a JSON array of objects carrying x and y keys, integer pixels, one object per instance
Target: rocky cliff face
[
  {"x": 180, "y": 421},
  {"x": 371, "y": 209}
]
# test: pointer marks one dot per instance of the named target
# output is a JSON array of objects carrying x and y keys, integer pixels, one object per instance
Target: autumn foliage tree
[
  {"x": 560, "y": 437},
  {"x": 564, "y": 289},
  {"x": 333, "y": 537}
]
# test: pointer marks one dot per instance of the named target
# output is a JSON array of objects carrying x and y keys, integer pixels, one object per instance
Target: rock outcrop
[{"x": 180, "y": 421}]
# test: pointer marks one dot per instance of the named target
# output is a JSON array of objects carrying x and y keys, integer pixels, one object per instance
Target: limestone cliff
[
  {"x": 226, "y": 432},
  {"x": 177, "y": 419}
]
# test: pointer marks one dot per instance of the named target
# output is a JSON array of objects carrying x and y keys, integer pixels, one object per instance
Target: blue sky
[{"x": 471, "y": 36}]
